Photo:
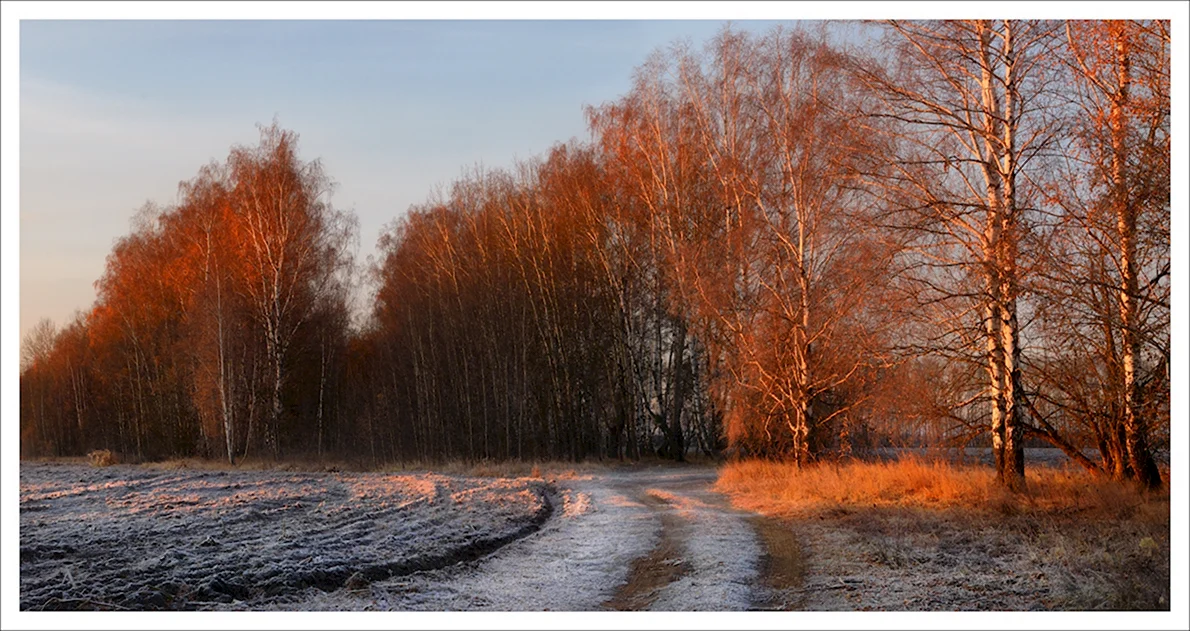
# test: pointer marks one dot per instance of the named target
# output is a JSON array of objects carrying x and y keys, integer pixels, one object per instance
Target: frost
[
  {"x": 579, "y": 560},
  {"x": 201, "y": 539},
  {"x": 574, "y": 563},
  {"x": 721, "y": 549},
  {"x": 131, "y": 538}
]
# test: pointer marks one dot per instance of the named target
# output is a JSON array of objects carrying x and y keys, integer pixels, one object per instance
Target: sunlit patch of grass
[
  {"x": 1084, "y": 541},
  {"x": 776, "y": 488}
]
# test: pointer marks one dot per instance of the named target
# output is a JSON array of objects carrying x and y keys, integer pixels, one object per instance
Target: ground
[
  {"x": 126, "y": 537},
  {"x": 630, "y": 538}
]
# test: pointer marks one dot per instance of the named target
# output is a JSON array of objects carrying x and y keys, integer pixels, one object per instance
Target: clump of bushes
[{"x": 102, "y": 458}]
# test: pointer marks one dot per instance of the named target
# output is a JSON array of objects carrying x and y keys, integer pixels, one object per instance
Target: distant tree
[
  {"x": 246, "y": 278},
  {"x": 215, "y": 326},
  {"x": 37, "y": 387},
  {"x": 38, "y": 343},
  {"x": 293, "y": 249}
]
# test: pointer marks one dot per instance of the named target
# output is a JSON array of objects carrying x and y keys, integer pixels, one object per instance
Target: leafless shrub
[{"x": 102, "y": 458}]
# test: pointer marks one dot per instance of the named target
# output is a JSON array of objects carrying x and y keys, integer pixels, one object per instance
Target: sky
[{"x": 117, "y": 113}]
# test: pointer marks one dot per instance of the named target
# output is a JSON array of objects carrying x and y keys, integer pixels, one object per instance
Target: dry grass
[
  {"x": 102, "y": 458},
  {"x": 57, "y": 459},
  {"x": 916, "y": 535},
  {"x": 781, "y": 489},
  {"x": 554, "y": 470},
  {"x": 252, "y": 464}
]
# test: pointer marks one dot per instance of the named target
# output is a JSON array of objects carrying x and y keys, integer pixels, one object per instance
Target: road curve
[{"x": 634, "y": 538}]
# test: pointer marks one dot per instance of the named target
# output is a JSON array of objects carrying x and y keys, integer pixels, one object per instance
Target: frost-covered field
[{"x": 128, "y": 537}]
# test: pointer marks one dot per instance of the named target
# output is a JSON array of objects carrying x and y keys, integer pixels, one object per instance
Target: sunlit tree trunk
[
  {"x": 1135, "y": 438},
  {"x": 961, "y": 123}
]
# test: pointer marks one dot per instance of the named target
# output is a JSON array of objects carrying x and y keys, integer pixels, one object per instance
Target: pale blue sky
[{"x": 115, "y": 113}]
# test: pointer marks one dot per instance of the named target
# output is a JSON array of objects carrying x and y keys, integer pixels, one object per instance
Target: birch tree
[
  {"x": 294, "y": 248},
  {"x": 1107, "y": 312},
  {"x": 1136, "y": 174},
  {"x": 969, "y": 101},
  {"x": 215, "y": 316},
  {"x": 746, "y": 173}
]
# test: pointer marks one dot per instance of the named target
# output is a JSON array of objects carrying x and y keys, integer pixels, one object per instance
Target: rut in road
[
  {"x": 663, "y": 565},
  {"x": 783, "y": 566},
  {"x": 708, "y": 555}
]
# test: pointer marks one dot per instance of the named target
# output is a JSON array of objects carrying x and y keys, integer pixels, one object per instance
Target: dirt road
[
  {"x": 635, "y": 539},
  {"x": 707, "y": 555}
]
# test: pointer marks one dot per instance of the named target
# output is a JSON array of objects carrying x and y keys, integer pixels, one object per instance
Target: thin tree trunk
[
  {"x": 226, "y": 408},
  {"x": 1014, "y": 451},
  {"x": 1135, "y": 439},
  {"x": 321, "y": 391},
  {"x": 999, "y": 253},
  {"x": 678, "y": 395}
]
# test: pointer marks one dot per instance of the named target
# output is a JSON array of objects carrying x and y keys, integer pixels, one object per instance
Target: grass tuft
[{"x": 102, "y": 458}]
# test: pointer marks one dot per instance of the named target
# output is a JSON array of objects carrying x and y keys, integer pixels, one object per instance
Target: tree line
[{"x": 773, "y": 245}]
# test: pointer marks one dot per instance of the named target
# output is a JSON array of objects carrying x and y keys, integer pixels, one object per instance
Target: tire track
[
  {"x": 708, "y": 555},
  {"x": 783, "y": 567},
  {"x": 664, "y": 564}
]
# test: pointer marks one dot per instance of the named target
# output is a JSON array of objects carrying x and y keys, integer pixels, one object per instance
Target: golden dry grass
[
  {"x": 102, "y": 458},
  {"x": 889, "y": 530},
  {"x": 782, "y": 489}
]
